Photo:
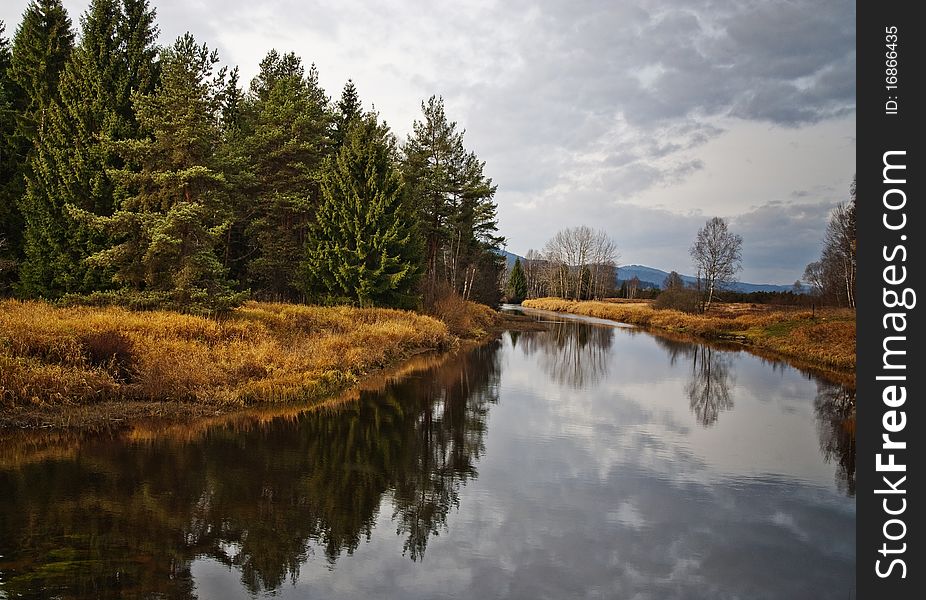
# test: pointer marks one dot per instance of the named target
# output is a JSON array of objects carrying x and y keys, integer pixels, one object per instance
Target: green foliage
[
  {"x": 456, "y": 208},
  {"x": 361, "y": 248},
  {"x": 173, "y": 213},
  {"x": 41, "y": 47},
  {"x": 150, "y": 179},
  {"x": 283, "y": 142},
  {"x": 11, "y": 169},
  {"x": 95, "y": 91},
  {"x": 348, "y": 109},
  {"x": 517, "y": 283}
]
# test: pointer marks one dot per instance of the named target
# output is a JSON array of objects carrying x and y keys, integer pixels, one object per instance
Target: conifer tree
[
  {"x": 456, "y": 208},
  {"x": 284, "y": 141},
  {"x": 11, "y": 170},
  {"x": 41, "y": 47},
  {"x": 348, "y": 109},
  {"x": 517, "y": 283},
  {"x": 173, "y": 211},
  {"x": 361, "y": 248},
  {"x": 95, "y": 108}
]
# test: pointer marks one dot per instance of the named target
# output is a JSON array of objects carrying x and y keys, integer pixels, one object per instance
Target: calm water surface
[{"x": 588, "y": 461}]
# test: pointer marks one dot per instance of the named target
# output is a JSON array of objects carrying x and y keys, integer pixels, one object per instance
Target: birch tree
[{"x": 717, "y": 253}]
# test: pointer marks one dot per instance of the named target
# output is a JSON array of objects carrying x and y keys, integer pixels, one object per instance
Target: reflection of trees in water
[
  {"x": 573, "y": 354},
  {"x": 835, "y": 409},
  {"x": 130, "y": 519},
  {"x": 440, "y": 456},
  {"x": 676, "y": 349},
  {"x": 710, "y": 383}
]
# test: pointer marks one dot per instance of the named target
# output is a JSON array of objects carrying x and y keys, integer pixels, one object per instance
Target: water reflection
[
  {"x": 710, "y": 380},
  {"x": 709, "y": 386},
  {"x": 571, "y": 353},
  {"x": 835, "y": 410},
  {"x": 130, "y": 519},
  {"x": 601, "y": 476}
]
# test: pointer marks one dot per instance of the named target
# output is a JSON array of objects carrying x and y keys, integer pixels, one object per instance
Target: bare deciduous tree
[
  {"x": 833, "y": 276},
  {"x": 717, "y": 253},
  {"x": 577, "y": 250}
]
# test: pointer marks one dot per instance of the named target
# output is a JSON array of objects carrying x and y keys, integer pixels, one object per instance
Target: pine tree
[
  {"x": 429, "y": 155},
  {"x": 283, "y": 144},
  {"x": 173, "y": 211},
  {"x": 517, "y": 283},
  {"x": 41, "y": 47},
  {"x": 348, "y": 109},
  {"x": 456, "y": 208},
  {"x": 361, "y": 248}
]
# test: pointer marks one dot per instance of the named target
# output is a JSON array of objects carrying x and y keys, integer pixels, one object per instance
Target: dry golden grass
[
  {"x": 261, "y": 352},
  {"x": 465, "y": 319},
  {"x": 825, "y": 338}
]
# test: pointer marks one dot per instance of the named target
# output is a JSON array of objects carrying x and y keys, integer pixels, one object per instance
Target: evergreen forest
[{"x": 153, "y": 177}]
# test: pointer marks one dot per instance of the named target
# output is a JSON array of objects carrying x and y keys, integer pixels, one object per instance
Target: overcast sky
[{"x": 642, "y": 118}]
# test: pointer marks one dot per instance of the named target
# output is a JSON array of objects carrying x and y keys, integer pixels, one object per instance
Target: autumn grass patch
[
  {"x": 260, "y": 352},
  {"x": 465, "y": 319},
  {"x": 825, "y": 338}
]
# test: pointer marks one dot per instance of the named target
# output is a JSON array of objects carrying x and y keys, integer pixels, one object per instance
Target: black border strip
[{"x": 889, "y": 121}]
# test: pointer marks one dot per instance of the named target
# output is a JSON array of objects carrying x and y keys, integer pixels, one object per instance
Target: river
[{"x": 587, "y": 461}]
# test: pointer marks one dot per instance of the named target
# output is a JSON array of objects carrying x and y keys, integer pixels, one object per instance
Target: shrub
[{"x": 685, "y": 300}]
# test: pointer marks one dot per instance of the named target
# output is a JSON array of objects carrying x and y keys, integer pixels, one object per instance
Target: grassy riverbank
[
  {"x": 825, "y": 338},
  {"x": 74, "y": 360}
]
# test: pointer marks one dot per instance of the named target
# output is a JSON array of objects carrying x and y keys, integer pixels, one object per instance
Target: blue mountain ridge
[{"x": 650, "y": 277}]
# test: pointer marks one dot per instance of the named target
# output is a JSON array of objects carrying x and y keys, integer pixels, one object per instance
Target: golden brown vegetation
[
  {"x": 825, "y": 337},
  {"x": 260, "y": 352},
  {"x": 465, "y": 319}
]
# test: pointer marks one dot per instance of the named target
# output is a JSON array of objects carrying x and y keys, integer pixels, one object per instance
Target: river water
[{"x": 587, "y": 461}]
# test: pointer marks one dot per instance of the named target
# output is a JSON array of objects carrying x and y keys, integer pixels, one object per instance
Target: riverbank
[
  {"x": 823, "y": 338},
  {"x": 87, "y": 367}
]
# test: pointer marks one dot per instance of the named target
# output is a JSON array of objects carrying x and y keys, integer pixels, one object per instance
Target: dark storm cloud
[
  {"x": 581, "y": 109},
  {"x": 780, "y": 238}
]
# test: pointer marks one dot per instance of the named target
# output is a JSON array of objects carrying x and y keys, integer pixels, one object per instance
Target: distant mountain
[
  {"x": 510, "y": 258},
  {"x": 658, "y": 276},
  {"x": 650, "y": 277}
]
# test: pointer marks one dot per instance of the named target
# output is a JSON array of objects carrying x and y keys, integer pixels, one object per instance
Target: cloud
[{"x": 578, "y": 106}]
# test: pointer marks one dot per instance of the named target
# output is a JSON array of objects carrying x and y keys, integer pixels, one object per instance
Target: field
[
  {"x": 823, "y": 337},
  {"x": 71, "y": 361}
]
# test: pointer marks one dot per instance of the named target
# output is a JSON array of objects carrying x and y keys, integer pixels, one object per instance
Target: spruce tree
[
  {"x": 173, "y": 211},
  {"x": 41, "y": 47},
  {"x": 362, "y": 248},
  {"x": 95, "y": 108},
  {"x": 517, "y": 283},
  {"x": 284, "y": 141},
  {"x": 348, "y": 109},
  {"x": 11, "y": 170}
]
